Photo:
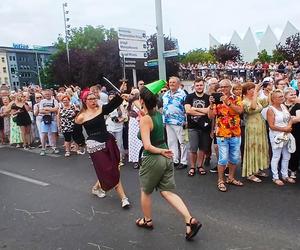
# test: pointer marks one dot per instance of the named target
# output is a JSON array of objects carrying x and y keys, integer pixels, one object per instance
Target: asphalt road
[{"x": 55, "y": 210}]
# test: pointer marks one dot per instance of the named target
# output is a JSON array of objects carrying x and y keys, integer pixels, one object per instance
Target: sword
[{"x": 112, "y": 85}]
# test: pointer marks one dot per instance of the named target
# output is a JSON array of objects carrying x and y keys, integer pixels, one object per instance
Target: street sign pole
[
  {"x": 134, "y": 77},
  {"x": 124, "y": 70},
  {"x": 160, "y": 41}
]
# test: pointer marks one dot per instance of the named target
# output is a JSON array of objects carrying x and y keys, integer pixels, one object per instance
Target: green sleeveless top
[{"x": 157, "y": 135}]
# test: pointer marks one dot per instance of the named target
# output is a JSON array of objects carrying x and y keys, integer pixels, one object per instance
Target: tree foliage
[
  {"x": 197, "y": 56},
  {"x": 172, "y": 63},
  {"x": 263, "y": 57},
  {"x": 226, "y": 52},
  {"x": 291, "y": 49}
]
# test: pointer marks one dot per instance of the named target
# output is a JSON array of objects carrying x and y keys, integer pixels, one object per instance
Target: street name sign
[
  {"x": 170, "y": 53},
  {"x": 132, "y": 34},
  {"x": 132, "y": 45},
  {"x": 133, "y": 54}
]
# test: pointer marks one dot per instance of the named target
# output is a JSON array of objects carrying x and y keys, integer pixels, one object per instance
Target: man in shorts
[
  {"x": 48, "y": 108},
  {"x": 227, "y": 112},
  {"x": 199, "y": 126}
]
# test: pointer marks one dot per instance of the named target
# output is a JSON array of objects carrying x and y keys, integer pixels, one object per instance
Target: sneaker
[
  {"x": 226, "y": 172},
  {"x": 80, "y": 152},
  {"x": 26, "y": 147},
  {"x": 67, "y": 154},
  {"x": 214, "y": 170},
  {"x": 293, "y": 175},
  {"x": 43, "y": 152},
  {"x": 18, "y": 146},
  {"x": 55, "y": 151},
  {"x": 99, "y": 192},
  {"x": 121, "y": 164},
  {"x": 125, "y": 203}
]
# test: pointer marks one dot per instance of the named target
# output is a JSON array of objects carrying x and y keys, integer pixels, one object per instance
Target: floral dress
[{"x": 15, "y": 133}]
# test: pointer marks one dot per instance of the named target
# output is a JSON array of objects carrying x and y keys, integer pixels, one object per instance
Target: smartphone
[{"x": 217, "y": 97}]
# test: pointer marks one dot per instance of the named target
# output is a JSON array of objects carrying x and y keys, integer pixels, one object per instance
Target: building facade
[
  {"x": 4, "y": 71},
  {"x": 249, "y": 46},
  {"x": 21, "y": 66}
]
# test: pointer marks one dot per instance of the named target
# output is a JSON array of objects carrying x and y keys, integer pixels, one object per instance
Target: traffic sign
[
  {"x": 133, "y": 54},
  {"x": 134, "y": 63},
  {"x": 132, "y": 45},
  {"x": 133, "y": 34},
  {"x": 152, "y": 63},
  {"x": 170, "y": 53}
]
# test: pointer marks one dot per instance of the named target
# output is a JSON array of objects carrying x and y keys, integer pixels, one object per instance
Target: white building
[{"x": 249, "y": 47}]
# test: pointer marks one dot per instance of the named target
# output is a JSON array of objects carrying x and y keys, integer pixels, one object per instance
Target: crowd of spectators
[
  {"x": 247, "y": 121},
  {"x": 243, "y": 71}
]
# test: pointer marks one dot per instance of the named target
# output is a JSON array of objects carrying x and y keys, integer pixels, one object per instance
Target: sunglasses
[{"x": 91, "y": 99}]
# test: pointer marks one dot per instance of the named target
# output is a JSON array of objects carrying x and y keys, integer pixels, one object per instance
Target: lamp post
[
  {"x": 67, "y": 30},
  {"x": 160, "y": 41},
  {"x": 38, "y": 68}
]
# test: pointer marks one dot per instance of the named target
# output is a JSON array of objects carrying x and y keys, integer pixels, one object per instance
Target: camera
[
  {"x": 217, "y": 97},
  {"x": 115, "y": 119}
]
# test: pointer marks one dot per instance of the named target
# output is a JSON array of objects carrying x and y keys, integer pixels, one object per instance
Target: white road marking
[{"x": 24, "y": 178}]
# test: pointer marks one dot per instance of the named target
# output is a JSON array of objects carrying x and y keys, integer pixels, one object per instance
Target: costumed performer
[
  {"x": 157, "y": 168},
  {"x": 101, "y": 145}
]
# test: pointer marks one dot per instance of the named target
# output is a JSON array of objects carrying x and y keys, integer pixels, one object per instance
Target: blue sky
[{"x": 190, "y": 21}]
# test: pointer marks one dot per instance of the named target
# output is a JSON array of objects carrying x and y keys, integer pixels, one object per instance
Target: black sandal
[
  {"x": 144, "y": 224},
  {"x": 194, "y": 228},
  {"x": 192, "y": 172},
  {"x": 201, "y": 171}
]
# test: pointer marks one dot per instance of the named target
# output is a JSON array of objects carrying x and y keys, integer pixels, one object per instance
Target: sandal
[
  {"x": 194, "y": 228},
  {"x": 278, "y": 182},
  {"x": 221, "y": 186},
  {"x": 191, "y": 172},
  {"x": 234, "y": 182},
  {"x": 144, "y": 223},
  {"x": 201, "y": 171},
  {"x": 253, "y": 178},
  {"x": 262, "y": 174},
  {"x": 289, "y": 180}
]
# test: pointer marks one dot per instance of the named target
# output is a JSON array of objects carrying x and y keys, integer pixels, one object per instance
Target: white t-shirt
[
  {"x": 111, "y": 125},
  {"x": 53, "y": 103},
  {"x": 103, "y": 98}
]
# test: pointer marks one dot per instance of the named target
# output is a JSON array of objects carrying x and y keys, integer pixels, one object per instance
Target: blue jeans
[{"x": 229, "y": 150}]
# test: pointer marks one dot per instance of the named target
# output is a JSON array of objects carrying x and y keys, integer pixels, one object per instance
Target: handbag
[
  {"x": 47, "y": 119},
  {"x": 15, "y": 119}
]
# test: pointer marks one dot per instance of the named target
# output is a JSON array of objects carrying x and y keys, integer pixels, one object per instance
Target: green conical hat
[{"x": 156, "y": 86}]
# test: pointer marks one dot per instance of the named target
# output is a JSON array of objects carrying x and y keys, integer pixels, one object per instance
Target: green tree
[
  {"x": 172, "y": 63},
  {"x": 88, "y": 37},
  {"x": 291, "y": 49},
  {"x": 277, "y": 56},
  {"x": 263, "y": 57},
  {"x": 197, "y": 56}
]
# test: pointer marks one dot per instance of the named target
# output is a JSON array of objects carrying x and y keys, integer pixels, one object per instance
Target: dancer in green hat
[{"x": 157, "y": 170}]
